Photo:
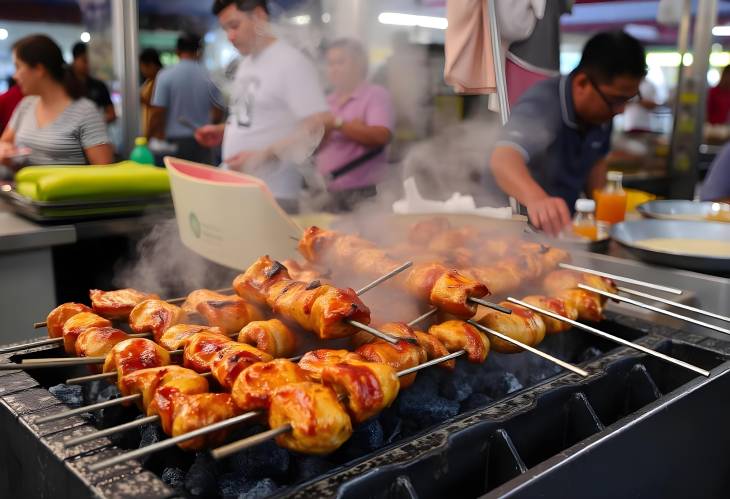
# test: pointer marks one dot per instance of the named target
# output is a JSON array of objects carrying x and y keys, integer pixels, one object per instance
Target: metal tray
[
  {"x": 678, "y": 209},
  {"x": 629, "y": 233},
  {"x": 67, "y": 211}
]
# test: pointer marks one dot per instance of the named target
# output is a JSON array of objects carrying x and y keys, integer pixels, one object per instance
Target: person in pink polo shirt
[{"x": 352, "y": 158}]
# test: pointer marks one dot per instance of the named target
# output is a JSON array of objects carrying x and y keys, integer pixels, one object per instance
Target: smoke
[{"x": 163, "y": 265}]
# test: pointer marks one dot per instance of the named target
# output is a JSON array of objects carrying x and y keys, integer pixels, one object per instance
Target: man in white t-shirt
[
  {"x": 637, "y": 115},
  {"x": 278, "y": 113}
]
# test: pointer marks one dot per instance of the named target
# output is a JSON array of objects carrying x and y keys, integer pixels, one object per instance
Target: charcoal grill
[
  {"x": 559, "y": 435},
  {"x": 635, "y": 427}
]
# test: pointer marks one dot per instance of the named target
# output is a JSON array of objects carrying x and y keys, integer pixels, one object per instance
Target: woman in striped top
[{"x": 53, "y": 122}]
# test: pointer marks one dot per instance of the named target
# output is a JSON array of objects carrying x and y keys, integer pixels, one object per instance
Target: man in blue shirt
[
  {"x": 185, "y": 98},
  {"x": 552, "y": 148}
]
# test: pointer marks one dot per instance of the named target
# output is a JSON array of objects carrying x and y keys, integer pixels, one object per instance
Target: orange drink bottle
[
  {"x": 584, "y": 223},
  {"x": 611, "y": 201}
]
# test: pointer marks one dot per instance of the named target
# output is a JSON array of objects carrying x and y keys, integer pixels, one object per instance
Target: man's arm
[
  {"x": 367, "y": 135},
  {"x": 513, "y": 177}
]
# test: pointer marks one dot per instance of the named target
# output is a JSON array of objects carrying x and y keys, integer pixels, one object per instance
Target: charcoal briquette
[
  {"x": 261, "y": 489},
  {"x": 265, "y": 460},
  {"x": 71, "y": 395},
  {"x": 456, "y": 387},
  {"x": 424, "y": 410},
  {"x": 588, "y": 354},
  {"x": 174, "y": 478},
  {"x": 201, "y": 479},
  {"x": 231, "y": 486},
  {"x": 475, "y": 401},
  {"x": 306, "y": 467}
]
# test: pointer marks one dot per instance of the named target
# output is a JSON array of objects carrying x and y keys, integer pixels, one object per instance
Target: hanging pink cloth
[{"x": 469, "y": 66}]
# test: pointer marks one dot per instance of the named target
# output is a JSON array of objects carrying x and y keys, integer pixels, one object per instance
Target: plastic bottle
[
  {"x": 612, "y": 200},
  {"x": 584, "y": 222},
  {"x": 141, "y": 153}
]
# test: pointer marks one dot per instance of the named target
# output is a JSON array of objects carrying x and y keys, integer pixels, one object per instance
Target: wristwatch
[{"x": 338, "y": 123}]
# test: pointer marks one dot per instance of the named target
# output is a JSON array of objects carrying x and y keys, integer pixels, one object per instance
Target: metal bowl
[
  {"x": 630, "y": 233},
  {"x": 678, "y": 209}
]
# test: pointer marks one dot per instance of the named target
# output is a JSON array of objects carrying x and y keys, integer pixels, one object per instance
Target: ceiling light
[
  {"x": 4, "y": 34},
  {"x": 301, "y": 20},
  {"x": 721, "y": 31},
  {"x": 397, "y": 19},
  {"x": 326, "y": 17},
  {"x": 85, "y": 37}
]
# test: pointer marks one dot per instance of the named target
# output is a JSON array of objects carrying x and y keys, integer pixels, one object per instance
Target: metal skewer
[
  {"x": 629, "y": 291},
  {"x": 33, "y": 344},
  {"x": 658, "y": 310},
  {"x": 423, "y": 317},
  {"x": 546, "y": 356},
  {"x": 384, "y": 278},
  {"x": 93, "y": 407},
  {"x": 491, "y": 305},
  {"x": 173, "y": 441},
  {"x": 615, "y": 277},
  {"x": 610, "y": 337},
  {"x": 232, "y": 448}
]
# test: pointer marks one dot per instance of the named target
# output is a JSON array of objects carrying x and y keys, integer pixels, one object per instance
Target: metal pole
[
  {"x": 125, "y": 36},
  {"x": 690, "y": 109}
]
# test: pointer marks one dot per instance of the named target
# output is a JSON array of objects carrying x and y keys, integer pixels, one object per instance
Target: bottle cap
[
  {"x": 140, "y": 141},
  {"x": 614, "y": 176},
  {"x": 585, "y": 205}
]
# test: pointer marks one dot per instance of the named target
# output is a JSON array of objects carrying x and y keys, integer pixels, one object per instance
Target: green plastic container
[{"x": 141, "y": 153}]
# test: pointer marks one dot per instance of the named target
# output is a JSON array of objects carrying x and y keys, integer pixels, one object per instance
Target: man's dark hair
[
  {"x": 243, "y": 5},
  {"x": 150, "y": 56},
  {"x": 188, "y": 43},
  {"x": 78, "y": 50},
  {"x": 611, "y": 54}
]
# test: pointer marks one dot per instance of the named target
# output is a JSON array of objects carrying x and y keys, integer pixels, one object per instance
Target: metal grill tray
[
  {"x": 494, "y": 449},
  {"x": 570, "y": 437},
  {"x": 66, "y": 211}
]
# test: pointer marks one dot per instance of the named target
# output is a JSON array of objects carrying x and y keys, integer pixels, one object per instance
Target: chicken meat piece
[
  {"x": 253, "y": 285},
  {"x": 155, "y": 316},
  {"x": 500, "y": 280},
  {"x": 77, "y": 324},
  {"x": 400, "y": 356},
  {"x": 171, "y": 388},
  {"x": 367, "y": 387},
  {"x": 558, "y": 306},
  {"x": 320, "y": 424},
  {"x": 98, "y": 341},
  {"x": 145, "y": 382},
  {"x": 314, "y": 361},
  {"x": 228, "y": 312},
  {"x": 302, "y": 271},
  {"x": 445, "y": 288},
  {"x": 459, "y": 335},
  {"x": 589, "y": 305},
  {"x": 232, "y": 359},
  {"x": 177, "y": 336},
  {"x": 191, "y": 412},
  {"x": 424, "y": 231},
  {"x": 272, "y": 336},
  {"x": 134, "y": 354},
  {"x": 254, "y": 387},
  {"x": 522, "y": 325},
  {"x": 201, "y": 349},
  {"x": 59, "y": 315},
  {"x": 559, "y": 280},
  {"x": 434, "y": 349},
  {"x": 118, "y": 304}
]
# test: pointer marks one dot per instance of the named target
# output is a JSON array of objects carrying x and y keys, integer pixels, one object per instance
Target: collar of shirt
[{"x": 335, "y": 100}]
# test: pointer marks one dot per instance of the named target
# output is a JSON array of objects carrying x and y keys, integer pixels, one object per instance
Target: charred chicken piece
[
  {"x": 172, "y": 387},
  {"x": 367, "y": 387},
  {"x": 118, "y": 304},
  {"x": 559, "y": 280},
  {"x": 59, "y": 315},
  {"x": 202, "y": 348},
  {"x": 253, "y": 285},
  {"x": 77, "y": 324},
  {"x": 272, "y": 337},
  {"x": 155, "y": 316},
  {"x": 253, "y": 388},
  {"x": 230, "y": 313},
  {"x": 177, "y": 336},
  {"x": 146, "y": 382},
  {"x": 459, "y": 335},
  {"x": 134, "y": 354},
  {"x": 191, "y": 412},
  {"x": 400, "y": 356},
  {"x": 320, "y": 424},
  {"x": 98, "y": 341},
  {"x": 434, "y": 349},
  {"x": 315, "y": 360},
  {"x": 522, "y": 325},
  {"x": 556, "y": 305},
  {"x": 232, "y": 359},
  {"x": 589, "y": 305},
  {"x": 445, "y": 288}
]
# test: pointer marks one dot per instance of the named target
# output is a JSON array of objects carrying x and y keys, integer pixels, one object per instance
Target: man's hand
[
  {"x": 209, "y": 135},
  {"x": 247, "y": 160},
  {"x": 549, "y": 214}
]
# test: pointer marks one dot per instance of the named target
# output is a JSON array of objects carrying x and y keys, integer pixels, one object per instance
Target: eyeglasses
[{"x": 615, "y": 103}]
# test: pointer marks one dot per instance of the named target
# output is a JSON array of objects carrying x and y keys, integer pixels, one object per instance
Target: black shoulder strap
[{"x": 355, "y": 163}]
